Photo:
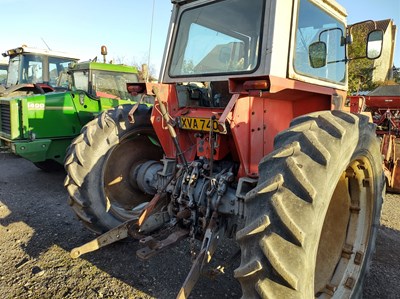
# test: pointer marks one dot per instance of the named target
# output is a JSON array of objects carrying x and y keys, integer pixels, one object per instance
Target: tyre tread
[{"x": 309, "y": 146}]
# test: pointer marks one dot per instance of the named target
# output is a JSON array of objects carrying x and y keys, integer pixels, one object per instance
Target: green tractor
[{"x": 40, "y": 126}]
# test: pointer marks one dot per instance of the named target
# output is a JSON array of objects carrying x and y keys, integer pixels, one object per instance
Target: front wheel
[{"x": 312, "y": 220}]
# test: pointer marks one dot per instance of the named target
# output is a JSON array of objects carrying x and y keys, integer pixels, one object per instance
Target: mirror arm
[
  {"x": 336, "y": 61},
  {"x": 330, "y": 29}
]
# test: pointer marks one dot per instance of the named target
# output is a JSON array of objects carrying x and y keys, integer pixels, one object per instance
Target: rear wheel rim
[
  {"x": 122, "y": 198},
  {"x": 345, "y": 234}
]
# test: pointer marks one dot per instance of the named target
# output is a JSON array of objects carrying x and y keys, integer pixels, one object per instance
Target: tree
[
  {"x": 145, "y": 72},
  {"x": 396, "y": 75},
  {"x": 360, "y": 69}
]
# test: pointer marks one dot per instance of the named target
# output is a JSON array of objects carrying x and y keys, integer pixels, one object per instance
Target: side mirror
[
  {"x": 317, "y": 54},
  {"x": 374, "y": 44}
]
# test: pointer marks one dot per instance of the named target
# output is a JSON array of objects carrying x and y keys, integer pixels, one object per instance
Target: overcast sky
[{"x": 124, "y": 26}]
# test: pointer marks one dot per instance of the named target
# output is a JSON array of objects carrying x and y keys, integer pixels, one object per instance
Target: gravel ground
[{"x": 38, "y": 229}]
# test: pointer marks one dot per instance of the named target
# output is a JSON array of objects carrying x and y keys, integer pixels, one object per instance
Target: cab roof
[
  {"x": 104, "y": 67},
  {"x": 332, "y": 3},
  {"x": 25, "y": 49}
]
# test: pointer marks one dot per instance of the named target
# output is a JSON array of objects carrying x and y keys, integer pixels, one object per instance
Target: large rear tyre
[
  {"x": 312, "y": 220},
  {"x": 100, "y": 163}
]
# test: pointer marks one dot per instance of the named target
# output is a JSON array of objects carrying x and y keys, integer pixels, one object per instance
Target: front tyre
[
  {"x": 100, "y": 163},
  {"x": 312, "y": 220}
]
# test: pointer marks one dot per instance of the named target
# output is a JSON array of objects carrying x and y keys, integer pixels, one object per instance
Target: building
[{"x": 383, "y": 66}]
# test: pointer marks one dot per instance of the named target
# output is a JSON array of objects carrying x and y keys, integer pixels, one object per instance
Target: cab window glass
[
  {"x": 13, "y": 71},
  {"x": 316, "y": 25},
  {"x": 220, "y": 38},
  {"x": 112, "y": 84},
  {"x": 33, "y": 70},
  {"x": 3, "y": 73},
  {"x": 81, "y": 80},
  {"x": 56, "y": 67}
]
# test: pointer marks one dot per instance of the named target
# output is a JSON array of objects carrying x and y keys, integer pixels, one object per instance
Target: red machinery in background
[{"x": 384, "y": 105}]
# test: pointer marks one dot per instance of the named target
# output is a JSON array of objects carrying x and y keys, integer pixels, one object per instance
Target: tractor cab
[
  {"x": 34, "y": 70},
  {"x": 97, "y": 79},
  {"x": 277, "y": 42}
]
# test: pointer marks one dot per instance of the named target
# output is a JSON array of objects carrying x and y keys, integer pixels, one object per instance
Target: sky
[{"x": 81, "y": 27}]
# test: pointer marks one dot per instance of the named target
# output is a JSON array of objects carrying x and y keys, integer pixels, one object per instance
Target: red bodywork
[{"x": 258, "y": 110}]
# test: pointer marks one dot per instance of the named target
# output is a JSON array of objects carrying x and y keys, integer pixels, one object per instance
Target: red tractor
[{"x": 248, "y": 139}]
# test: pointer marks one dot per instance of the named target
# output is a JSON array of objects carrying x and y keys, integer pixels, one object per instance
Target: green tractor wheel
[
  {"x": 100, "y": 163},
  {"x": 312, "y": 220}
]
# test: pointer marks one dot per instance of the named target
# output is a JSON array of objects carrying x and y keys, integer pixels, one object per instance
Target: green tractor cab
[
  {"x": 33, "y": 71},
  {"x": 40, "y": 127}
]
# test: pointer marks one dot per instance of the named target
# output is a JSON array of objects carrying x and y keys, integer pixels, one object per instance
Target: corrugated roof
[
  {"x": 383, "y": 24},
  {"x": 387, "y": 90}
]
